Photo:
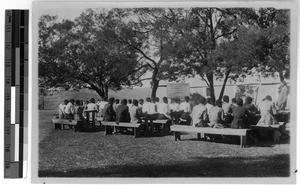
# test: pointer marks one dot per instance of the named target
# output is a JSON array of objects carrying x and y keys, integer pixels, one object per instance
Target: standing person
[
  {"x": 122, "y": 114},
  {"x": 61, "y": 109},
  {"x": 199, "y": 113},
  {"x": 185, "y": 108},
  {"x": 268, "y": 110},
  {"x": 216, "y": 115},
  {"x": 109, "y": 113},
  {"x": 91, "y": 105},
  {"x": 101, "y": 106},
  {"x": 69, "y": 110},
  {"x": 209, "y": 104},
  {"x": 283, "y": 92}
]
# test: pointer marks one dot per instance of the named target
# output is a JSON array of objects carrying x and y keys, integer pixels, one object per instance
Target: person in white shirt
[
  {"x": 61, "y": 109},
  {"x": 199, "y": 113},
  {"x": 69, "y": 110},
  {"x": 116, "y": 104},
  {"x": 141, "y": 103},
  {"x": 146, "y": 105},
  {"x": 185, "y": 109},
  {"x": 209, "y": 105},
  {"x": 174, "y": 106},
  {"x": 101, "y": 106},
  {"x": 226, "y": 106},
  {"x": 91, "y": 105},
  {"x": 129, "y": 104},
  {"x": 163, "y": 109}
]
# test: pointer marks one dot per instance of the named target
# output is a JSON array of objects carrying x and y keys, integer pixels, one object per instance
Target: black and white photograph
[{"x": 165, "y": 90}]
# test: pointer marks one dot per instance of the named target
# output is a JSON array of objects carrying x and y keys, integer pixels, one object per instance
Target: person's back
[
  {"x": 78, "y": 111},
  {"x": 134, "y": 117},
  {"x": 123, "y": 112},
  {"x": 109, "y": 113},
  {"x": 199, "y": 113},
  {"x": 69, "y": 110},
  {"x": 268, "y": 110},
  {"x": 146, "y": 105},
  {"x": 209, "y": 105},
  {"x": 164, "y": 109},
  {"x": 216, "y": 115},
  {"x": 239, "y": 114}
]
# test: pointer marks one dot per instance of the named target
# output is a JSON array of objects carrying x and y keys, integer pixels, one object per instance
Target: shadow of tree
[{"x": 226, "y": 166}]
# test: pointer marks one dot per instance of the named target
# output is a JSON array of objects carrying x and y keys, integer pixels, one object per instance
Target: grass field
[{"x": 64, "y": 153}]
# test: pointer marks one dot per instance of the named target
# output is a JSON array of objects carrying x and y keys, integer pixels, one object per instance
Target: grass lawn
[{"x": 64, "y": 153}]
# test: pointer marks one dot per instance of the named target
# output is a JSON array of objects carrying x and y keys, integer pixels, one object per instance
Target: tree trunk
[
  {"x": 106, "y": 91},
  {"x": 210, "y": 78},
  {"x": 281, "y": 75},
  {"x": 100, "y": 92},
  {"x": 155, "y": 83},
  {"x": 224, "y": 85}
]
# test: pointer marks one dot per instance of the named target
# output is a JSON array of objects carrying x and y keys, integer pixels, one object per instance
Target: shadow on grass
[{"x": 271, "y": 166}]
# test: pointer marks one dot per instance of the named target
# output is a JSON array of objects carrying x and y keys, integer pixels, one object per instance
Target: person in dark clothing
[
  {"x": 250, "y": 119},
  {"x": 239, "y": 115},
  {"x": 122, "y": 114},
  {"x": 109, "y": 113}
]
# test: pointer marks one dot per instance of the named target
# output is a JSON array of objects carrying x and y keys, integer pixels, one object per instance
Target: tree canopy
[{"x": 111, "y": 48}]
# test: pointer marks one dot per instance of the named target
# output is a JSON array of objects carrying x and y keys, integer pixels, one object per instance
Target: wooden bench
[
  {"x": 59, "y": 122},
  {"x": 108, "y": 127},
  {"x": 207, "y": 130},
  {"x": 273, "y": 131}
]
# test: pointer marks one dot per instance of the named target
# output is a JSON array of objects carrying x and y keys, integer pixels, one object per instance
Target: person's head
[
  {"x": 72, "y": 101},
  {"x": 157, "y": 99},
  {"x": 226, "y": 98},
  {"x": 141, "y": 101},
  {"x": 248, "y": 100},
  {"x": 239, "y": 102},
  {"x": 66, "y": 102},
  {"x": 268, "y": 97},
  {"x": 105, "y": 98},
  {"x": 117, "y": 101},
  {"x": 177, "y": 100},
  {"x": 135, "y": 102},
  {"x": 148, "y": 99},
  {"x": 202, "y": 100},
  {"x": 165, "y": 99},
  {"x": 153, "y": 100},
  {"x": 124, "y": 102},
  {"x": 129, "y": 101},
  {"x": 218, "y": 103},
  {"x": 111, "y": 100},
  {"x": 233, "y": 100},
  {"x": 92, "y": 100},
  {"x": 186, "y": 99},
  {"x": 78, "y": 102},
  {"x": 209, "y": 100}
]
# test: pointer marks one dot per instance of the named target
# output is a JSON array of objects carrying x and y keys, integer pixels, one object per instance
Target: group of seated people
[{"x": 200, "y": 112}]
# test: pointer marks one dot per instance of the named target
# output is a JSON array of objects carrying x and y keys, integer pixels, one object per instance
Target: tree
[
  {"x": 78, "y": 54},
  {"x": 274, "y": 41},
  {"x": 149, "y": 31}
]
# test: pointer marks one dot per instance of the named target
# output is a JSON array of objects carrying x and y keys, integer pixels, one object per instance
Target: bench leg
[
  {"x": 136, "y": 132},
  {"x": 177, "y": 135},
  {"x": 107, "y": 130},
  {"x": 243, "y": 141},
  {"x": 198, "y": 136}
]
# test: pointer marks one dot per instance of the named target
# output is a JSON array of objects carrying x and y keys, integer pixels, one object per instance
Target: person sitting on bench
[
  {"x": 134, "y": 115},
  {"x": 122, "y": 115},
  {"x": 163, "y": 110},
  {"x": 61, "y": 109},
  {"x": 109, "y": 113},
  {"x": 69, "y": 110},
  {"x": 239, "y": 115},
  {"x": 216, "y": 116},
  {"x": 78, "y": 115},
  {"x": 185, "y": 108},
  {"x": 199, "y": 113},
  {"x": 268, "y": 110}
]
